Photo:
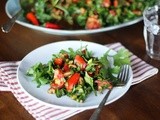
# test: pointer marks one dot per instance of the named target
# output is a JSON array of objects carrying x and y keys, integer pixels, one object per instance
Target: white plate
[
  {"x": 44, "y": 54},
  {"x": 12, "y": 6}
]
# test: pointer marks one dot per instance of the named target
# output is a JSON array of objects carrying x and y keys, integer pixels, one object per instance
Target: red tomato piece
[
  {"x": 32, "y": 18},
  {"x": 80, "y": 62},
  {"x": 106, "y": 3},
  {"x": 66, "y": 67},
  {"x": 72, "y": 81},
  {"x": 58, "y": 61},
  {"x": 51, "y": 25}
]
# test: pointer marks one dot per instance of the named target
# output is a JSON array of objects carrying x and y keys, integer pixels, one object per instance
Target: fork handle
[
  {"x": 6, "y": 27},
  {"x": 96, "y": 113}
]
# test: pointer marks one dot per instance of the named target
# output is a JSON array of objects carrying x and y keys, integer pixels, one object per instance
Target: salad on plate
[{"x": 77, "y": 73}]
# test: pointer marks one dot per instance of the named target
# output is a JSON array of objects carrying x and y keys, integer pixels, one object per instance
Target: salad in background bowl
[{"x": 72, "y": 17}]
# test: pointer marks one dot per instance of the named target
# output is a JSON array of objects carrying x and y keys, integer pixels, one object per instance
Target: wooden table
[{"x": 142, "y": 101}]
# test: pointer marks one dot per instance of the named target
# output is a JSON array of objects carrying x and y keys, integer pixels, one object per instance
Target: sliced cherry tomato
[
  {"x": 72, "y": 81},
  {"x": 66, "y": 67},
  {"x": 106, "y": 3},
  {"x": 115, "y": 3},
  {"x": 58, "y": 61},
  {"x": 51, "y": 25},
  {"x": 32, "y": 18},
  {"x": 80, "y": 62}
]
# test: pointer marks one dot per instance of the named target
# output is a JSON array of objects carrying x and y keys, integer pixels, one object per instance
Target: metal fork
[
  {"x": 6, "y": 27},
  {"x": 123, "y": 77}
]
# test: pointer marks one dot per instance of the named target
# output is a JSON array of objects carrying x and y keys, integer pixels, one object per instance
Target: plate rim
[{"x": 66, "y": 107}]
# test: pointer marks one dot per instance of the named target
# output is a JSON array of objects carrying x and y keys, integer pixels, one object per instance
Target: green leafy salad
[
  {"x": 84, "y": 14},
  {"x": 77, "y": 73}
]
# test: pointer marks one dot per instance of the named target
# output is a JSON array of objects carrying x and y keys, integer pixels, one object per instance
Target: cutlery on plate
[
  {"x": 123, "y": 77},
  {"x": 25, "y": 4}
]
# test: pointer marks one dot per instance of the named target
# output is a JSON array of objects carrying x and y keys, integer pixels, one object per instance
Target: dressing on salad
[{"x": 77, "y": 73}]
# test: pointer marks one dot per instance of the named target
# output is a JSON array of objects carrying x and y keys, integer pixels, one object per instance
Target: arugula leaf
[
  {"x": 90, "y": 65},
  {"x": 50, "y": 70},
  {"x": 60, "y": 92},
  {"x": 89, "y": 80},
  {"x": 43, "y": 80},
  {"x": 40, "y": 10},
  {"x": 104, "y": 60},
  {"x": 42, "y": 73},
  {"x": 54, "y": 2},
  {"x": 71, "y": 53}
]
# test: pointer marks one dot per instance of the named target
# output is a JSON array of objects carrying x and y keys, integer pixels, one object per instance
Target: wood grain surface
[{"x": 142, "y": 101}]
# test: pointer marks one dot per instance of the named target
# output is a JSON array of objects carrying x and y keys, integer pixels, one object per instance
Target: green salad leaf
[
  {"x": 90, "y": 81},
  {"x": 122, "y": 57},
  {"x": 42, "y": 73}
]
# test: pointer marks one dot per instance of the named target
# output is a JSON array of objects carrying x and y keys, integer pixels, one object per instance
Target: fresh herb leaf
[
  {"x": 90, "y": 81},
  {"x": 122, "y": 57}
]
